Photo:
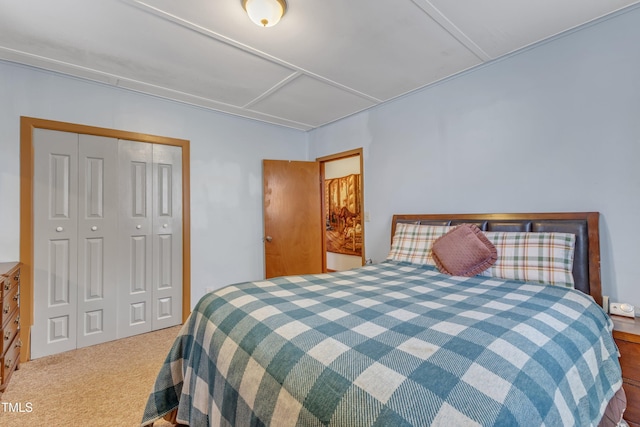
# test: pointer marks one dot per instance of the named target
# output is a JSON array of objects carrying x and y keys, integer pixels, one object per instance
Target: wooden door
[{"x": 293, "y": 233}]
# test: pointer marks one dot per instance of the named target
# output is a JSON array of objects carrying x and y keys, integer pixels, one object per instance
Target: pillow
[
  {"x": 533, "y": 257},
  {"x": 412, "y": 242},
  {"x": 464, "y": 251}
]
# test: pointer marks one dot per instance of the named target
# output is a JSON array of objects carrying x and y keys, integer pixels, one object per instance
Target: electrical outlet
[
  {"x": 605, "y": 303},
  {"x": 622, "y": 309}
]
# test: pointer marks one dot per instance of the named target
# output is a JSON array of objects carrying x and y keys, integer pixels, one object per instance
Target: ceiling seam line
[
  {"x": 117, "y": 81},
  {"x": 273, "y": 89},
  {"x": 434, "y": 13},
  {"x": 231, "y": 42},
  {"x": 43, "y": 61},
  {"x": 196, "y": 97}
]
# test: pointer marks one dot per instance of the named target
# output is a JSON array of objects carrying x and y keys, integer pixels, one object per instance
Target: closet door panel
[
  {"x": 135, "y": 234},
  {"x": 167, "y": 236},
  {"x": 55, "y": 221},
  {"x": 97, "y": 237}
]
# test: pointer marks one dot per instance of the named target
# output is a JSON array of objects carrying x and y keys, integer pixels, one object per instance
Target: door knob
[{"x": 268, "y": 238}]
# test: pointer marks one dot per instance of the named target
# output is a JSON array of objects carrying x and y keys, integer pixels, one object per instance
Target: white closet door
[
  {"x": 55, "y": 211},
  {"x": 107, "y": 239},
  {"x": 167, "y": 236},
  {"x": 97, "y": 239},
  {"x": 135, "y": 235}
]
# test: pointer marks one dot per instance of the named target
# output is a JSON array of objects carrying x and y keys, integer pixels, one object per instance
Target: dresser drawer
[
  {"x": 8, "y": 281},
  {"x": 626, "y": 333},
  {"x": 9, "y": 321},
  {"x": 9, "y": 362},
  {"x": 10, "y": 303},
  {"x": 632, "y": 413},
  {"x": 10, "y": 331},
  {"x": 629, "y": 359}
]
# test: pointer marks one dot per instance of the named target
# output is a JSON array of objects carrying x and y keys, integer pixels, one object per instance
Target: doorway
[
  {"x": 299, "y": 214},
  {"x": 343, "y": 210}
]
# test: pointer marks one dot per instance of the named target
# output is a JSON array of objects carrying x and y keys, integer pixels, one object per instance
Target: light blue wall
[
  {"x": 553, "y": 128},
  {"x": 226, "y": 163}
]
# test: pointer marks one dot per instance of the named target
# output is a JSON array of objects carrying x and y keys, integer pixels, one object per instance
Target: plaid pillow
[
  {"x": 533, "y": 257},
  {"x": 412, "y": 242}
]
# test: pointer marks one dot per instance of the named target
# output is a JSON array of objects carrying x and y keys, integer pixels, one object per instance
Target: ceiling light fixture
[{"x": 265, "y": 13}]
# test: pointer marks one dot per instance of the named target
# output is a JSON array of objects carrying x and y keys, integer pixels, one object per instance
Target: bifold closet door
[
  {"x": 150, "y": 260},
  {"x": 135, "y": 254},
  {"x": 167, "y": 237},
  {"x": 107, "y": 239},
  {"x": 75, "y": 195},
  {"x": 97, "y": 239}
]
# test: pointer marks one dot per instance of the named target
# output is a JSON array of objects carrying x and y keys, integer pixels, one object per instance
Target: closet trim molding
[{"x": 27, "y": 125}]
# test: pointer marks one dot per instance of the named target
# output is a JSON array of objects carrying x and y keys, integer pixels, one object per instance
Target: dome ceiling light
[{"x": 265, "y": 13}]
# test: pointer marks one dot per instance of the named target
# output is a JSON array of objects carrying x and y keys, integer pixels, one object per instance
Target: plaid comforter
[{"x": 392, "y": 344}]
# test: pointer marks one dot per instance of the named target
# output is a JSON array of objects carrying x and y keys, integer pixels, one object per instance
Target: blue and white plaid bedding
[{"x": 392, "y": 344}]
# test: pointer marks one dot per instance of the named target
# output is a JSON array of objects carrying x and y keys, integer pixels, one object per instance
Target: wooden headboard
[{"x": 586, "y": 262}]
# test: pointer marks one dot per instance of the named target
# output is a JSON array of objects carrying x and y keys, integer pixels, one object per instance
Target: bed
[{"x": 400, "y": 343}]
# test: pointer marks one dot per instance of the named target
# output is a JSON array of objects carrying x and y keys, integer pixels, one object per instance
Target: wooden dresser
[
  {"x": 626, "y": 332},
  {"x": 9, "y": 321}
]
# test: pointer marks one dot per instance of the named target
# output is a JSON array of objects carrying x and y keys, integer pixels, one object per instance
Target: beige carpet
[{"x": 102, "y": 385}]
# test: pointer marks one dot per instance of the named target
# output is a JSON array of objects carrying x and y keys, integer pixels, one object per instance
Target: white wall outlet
[
  {"x": 605, "y": 303},
  {"x": 622, "y": 309}
]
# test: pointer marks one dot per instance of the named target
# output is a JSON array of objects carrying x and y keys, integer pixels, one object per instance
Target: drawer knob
[
  {"x": 7, "y": 335},
  {"x": 5, "y": 310},
  {"x": 17, "y": 321},
  {"x": 16, "y": 297},
  {"x": 18, "y": 343},
  {"x": 94, "y": 228},
  {"x": 8, "y": 363},
  {"x": 59, "y": 229}
]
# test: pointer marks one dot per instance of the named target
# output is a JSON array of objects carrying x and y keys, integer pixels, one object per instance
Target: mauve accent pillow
[{"x": 464, "y": 251}]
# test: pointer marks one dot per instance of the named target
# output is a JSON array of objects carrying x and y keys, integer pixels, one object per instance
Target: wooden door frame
[
  {"x": 27, "y": 125},
  {"x": 338, "y": 156}
]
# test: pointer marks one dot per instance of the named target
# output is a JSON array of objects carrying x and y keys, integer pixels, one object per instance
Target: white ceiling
[{"x": 325, "y": 60}]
